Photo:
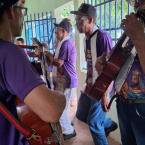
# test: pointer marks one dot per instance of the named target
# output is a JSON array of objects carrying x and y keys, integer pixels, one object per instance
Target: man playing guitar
[
  {"x": 19, "y": 78},
  {"x": 131, "y": 100}
]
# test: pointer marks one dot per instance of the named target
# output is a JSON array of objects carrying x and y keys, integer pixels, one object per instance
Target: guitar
[
  {"x": 121, "y": 52},
  {"x": 44, "y": 64},
  {"x": 45, "y": 133}
]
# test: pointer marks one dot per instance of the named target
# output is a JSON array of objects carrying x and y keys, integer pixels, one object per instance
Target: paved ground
[{"x": 83, "y": 134}]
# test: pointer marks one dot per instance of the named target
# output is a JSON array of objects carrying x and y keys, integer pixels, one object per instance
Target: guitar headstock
[
  {"x": 37, "y": 42},
  {"x": 140, "y": 13}
]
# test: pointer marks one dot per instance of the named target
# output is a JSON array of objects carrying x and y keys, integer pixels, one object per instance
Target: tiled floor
[{"x": 83, "y": 134}]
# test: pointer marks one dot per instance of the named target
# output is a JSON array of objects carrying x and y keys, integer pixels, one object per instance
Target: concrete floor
[{"x": 83, "y": 134}]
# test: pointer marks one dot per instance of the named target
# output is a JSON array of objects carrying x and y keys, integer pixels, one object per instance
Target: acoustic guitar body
[
  {"x": 43, "y": 129},
  {"x": 48, "y": 133},
  {"x": 111, "y": 69},
  {"x": 114, "y": 64}
]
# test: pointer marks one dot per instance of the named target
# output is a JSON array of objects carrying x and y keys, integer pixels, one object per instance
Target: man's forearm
[
  {"x": 55, "y": 62},
  {"x": 108, "y": 89}
]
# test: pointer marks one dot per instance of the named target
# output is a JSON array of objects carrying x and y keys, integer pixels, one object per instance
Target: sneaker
[
  {"x": 69, "y": 136},
  {"x": 113, "y": 127}
]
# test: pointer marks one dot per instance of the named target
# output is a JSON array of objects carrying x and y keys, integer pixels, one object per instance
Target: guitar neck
[{"x": 44, "y": 65}]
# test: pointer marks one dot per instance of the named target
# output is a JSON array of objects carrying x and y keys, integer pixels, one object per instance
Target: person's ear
[
  {"x": 10, "y": 13},
  {"x": 90, "y": 19},
  {"x": 63, "y": 30}
]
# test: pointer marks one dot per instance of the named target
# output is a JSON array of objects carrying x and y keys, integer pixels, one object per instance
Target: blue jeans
[
  {"x": 97, "y": 122},
  {"x": 132, "y": 126}
]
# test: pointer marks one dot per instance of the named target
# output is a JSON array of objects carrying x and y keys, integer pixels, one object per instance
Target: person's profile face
[
  {"x": 59, "y": 33},
  {"x": 17, "y": 23},
  {"x": 81, "y": 23}
]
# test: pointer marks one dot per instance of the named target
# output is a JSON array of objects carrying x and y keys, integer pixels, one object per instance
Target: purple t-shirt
[
  {"x": 26, "y": 53},
  {"x": 67, "y": 70},
  {"x": 104, "y": 42},
  {"x": 17, "y": 78},
  {"x": 134, "y": 86}
]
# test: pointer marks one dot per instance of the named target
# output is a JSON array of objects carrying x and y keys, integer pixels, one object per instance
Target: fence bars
[
  {"x": 41, "y": 27},
  {"x": 111, "y": 17}
]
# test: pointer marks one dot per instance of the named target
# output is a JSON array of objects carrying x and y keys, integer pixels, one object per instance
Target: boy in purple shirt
[{"x": 19, "y": 78}]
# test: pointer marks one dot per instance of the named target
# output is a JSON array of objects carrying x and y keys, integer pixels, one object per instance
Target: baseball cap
[
  {"x": 65, "y": 25},
  {"x": 5, "y": 4},
  {"x": 86, "y": 10}
]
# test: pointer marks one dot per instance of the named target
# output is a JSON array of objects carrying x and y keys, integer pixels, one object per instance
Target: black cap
[
  {"x": 86, "y": 10},
  {"x": 65, "y": 25},
  {"x": 5, "y": 4}
]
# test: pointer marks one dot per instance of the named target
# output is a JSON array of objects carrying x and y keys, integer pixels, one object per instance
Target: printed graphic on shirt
[
  {"x": 62, "y": 73},
  {"x": 89, "y": 56},
  {"x": 136, "y": 89},
  {"x": 89, "y": 67}
]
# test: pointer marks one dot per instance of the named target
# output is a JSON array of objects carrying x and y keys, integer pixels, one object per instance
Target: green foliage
[
  {"x": 65, "y": 13},
  {"x": 114, "y": 12}
]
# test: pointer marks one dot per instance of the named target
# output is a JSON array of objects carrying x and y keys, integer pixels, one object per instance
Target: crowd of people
[{"x": 19, "y": 78}]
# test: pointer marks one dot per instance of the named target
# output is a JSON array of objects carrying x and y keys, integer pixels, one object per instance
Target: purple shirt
[
  {"x": 104, "y": 42},
  {"x": 26, "y": 53},
  {"x": 67, "y": 70},
  {"x": 134, "y": 86},
  {"x": 17, "y": 78}
]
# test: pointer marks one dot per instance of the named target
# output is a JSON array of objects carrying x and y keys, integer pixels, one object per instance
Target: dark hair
[
  {"x": 5, "y": 4},
  {"x": 21, "y": 39},
  {"x": 67, "y": 19},
  {"x": 1, "y": 15}
]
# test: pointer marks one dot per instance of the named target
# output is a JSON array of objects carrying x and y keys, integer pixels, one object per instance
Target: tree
[{"x": 65, "y": 13}]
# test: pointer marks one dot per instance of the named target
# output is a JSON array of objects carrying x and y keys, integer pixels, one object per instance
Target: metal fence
[
  {"x": 110, "y": 14},
  {"x": 42, "y": 28}
]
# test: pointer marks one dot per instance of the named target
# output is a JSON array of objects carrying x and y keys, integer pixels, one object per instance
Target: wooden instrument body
[
  {"x": 33, "y": 121},
  {"x": 111, "y": 69},
  {"x": 37, "y": 67},
  {"x": 114, "y": 64},
  {"x": 28, "y": 118}
]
